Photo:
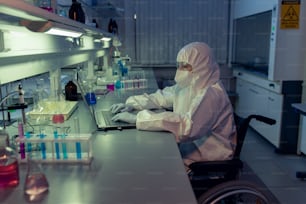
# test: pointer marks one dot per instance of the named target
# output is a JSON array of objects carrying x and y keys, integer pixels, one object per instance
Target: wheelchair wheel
[{"x": 234, "y": 192}]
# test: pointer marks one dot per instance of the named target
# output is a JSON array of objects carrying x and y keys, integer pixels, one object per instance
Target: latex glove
[
  {"x": 125, "y": 117},
  {"x": 120, "y": 107}
]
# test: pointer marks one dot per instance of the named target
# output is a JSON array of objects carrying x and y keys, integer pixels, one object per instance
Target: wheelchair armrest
[{"x": 199, "y": 168}]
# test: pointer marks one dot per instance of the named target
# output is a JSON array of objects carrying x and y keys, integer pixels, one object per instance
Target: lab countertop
[
  {"x": 128, "y": 166},
  {"x": 300, "y": 108}
]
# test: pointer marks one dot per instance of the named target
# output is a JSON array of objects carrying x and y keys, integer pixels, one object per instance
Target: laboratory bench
[{"x": 128, "y": 166}]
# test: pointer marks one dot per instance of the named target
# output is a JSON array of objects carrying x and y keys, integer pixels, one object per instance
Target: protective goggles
[{"x": 183, "y": 66}]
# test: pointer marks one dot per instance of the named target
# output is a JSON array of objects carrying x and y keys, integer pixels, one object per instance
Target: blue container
[{"x": 91, "y": 98}]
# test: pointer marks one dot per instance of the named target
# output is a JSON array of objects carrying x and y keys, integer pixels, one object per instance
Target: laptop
[
  {"x": 103, "y": 117},
  {"x": 104, "y": 121}
]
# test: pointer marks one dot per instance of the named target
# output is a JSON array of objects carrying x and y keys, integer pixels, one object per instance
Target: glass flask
[
  {"x": 40, "y": 96},
  {"x": 9, "y": 171},
  {"x": 36, "y": 182}
]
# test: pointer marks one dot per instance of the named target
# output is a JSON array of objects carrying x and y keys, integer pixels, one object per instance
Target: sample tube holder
[{"x": 48, "y": 152}]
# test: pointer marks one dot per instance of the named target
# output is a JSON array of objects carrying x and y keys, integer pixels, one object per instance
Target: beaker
[
  {"x": 91, "y": 96},
  {"x": 9, "y": 171}
]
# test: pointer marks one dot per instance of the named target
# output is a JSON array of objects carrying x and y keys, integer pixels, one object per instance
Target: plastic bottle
[{"x": 9, "y": 171}]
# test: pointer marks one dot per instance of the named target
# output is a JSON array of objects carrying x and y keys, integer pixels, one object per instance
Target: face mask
[{"x": 183, "y": 78}]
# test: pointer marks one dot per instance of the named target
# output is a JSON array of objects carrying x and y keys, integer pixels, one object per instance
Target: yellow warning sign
[{"x": 290, "y": 14}]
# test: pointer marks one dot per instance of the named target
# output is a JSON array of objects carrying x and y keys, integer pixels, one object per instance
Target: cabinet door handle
[
  {"x": 271, "y": 99},
  {"x": 253, "y": 91},
  {"x": 272, "y": 85}
]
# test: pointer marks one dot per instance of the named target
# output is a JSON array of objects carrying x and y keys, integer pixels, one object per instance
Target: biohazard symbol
[
  {"x": 291, "y": 15},
  {"x": 290, "y": 12}
]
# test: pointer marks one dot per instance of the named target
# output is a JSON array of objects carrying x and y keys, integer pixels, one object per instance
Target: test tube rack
[
  {"x": 136, "y": 79},
  {"x": 58, "y": 150}
]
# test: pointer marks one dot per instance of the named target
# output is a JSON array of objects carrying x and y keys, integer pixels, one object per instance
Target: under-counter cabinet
[{"x": 260, "y": 96}]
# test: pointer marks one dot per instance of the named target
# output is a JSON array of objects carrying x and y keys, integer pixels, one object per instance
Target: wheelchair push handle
[{"x": 264, "y": 119}]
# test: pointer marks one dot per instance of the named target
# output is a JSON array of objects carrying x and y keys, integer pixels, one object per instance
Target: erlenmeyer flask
[{"x": 36, "y": 182}]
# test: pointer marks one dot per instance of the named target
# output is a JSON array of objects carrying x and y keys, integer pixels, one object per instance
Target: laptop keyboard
[{"x": 104, "y": 120}]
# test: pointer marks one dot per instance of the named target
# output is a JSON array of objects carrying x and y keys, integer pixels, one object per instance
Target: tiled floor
[{"x": 278, "y": 172}]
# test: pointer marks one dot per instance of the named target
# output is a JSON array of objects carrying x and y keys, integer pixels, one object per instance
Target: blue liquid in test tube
[
  {"x": 42, "y": 144},
  {"x": 78, "y": 150},
  {"x": 64, "y": 145},
  {"x": 77, "y": 144},
  {"x": 57, "y": 151},
  {"x": 29, "y": 145}
]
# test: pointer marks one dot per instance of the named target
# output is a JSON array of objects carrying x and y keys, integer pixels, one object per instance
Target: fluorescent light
[
  {"x": 52, "y": 28},
  {"x": 106, "y": 39},
  {"x": 62, "y": 32}
]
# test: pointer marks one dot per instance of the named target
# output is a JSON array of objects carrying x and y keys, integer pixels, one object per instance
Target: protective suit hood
[{"x": 205, "y": 71}]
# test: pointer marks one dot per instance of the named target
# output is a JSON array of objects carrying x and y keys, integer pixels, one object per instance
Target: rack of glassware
[{"x": 56, "y": 148}]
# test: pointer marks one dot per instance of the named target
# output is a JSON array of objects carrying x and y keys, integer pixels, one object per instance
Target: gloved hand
[
  {"x": 125, "y": 117},
  {"x": 120, "y": 107}
]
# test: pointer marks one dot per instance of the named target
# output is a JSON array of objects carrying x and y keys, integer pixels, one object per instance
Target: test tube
[
  {"x": 21, "y": 138},
  {"x": 29, "y": 144},
  {"x": 78, "y": 143},
  {"x": 57, "y": 150},
  {"x": 42, "y": 144},
  {"x": 57, "y": 119},
  {"x": 64, "y": 145}
]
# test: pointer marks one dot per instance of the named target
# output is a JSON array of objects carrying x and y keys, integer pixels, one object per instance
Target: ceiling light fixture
[
  {"x": 106, "y": 39},
  {"x": 52, "y": 28}
]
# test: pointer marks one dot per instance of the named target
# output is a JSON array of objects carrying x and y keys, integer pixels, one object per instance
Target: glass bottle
[
  {"x": 71, "y": 92},
  {"x": 9, "y": 171}
]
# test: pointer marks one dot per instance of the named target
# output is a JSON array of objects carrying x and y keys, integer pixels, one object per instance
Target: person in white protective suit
[{"x": 202, "y": 118}]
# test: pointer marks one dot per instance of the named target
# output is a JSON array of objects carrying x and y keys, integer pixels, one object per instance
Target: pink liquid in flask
[{"x": 9, "y": 174}]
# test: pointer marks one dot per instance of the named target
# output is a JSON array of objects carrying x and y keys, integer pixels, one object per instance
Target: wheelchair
[{"x": 207, "y": 175}]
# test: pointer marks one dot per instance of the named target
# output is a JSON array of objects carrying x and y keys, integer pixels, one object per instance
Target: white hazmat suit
[{"x": 202, "y": 118}]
